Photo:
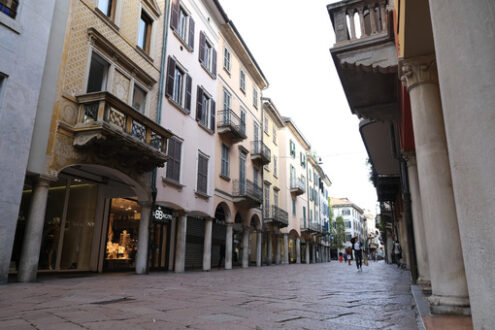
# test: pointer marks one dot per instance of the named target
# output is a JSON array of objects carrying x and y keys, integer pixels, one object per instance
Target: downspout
[
  {"x": 159, "y": 114},
  {"x": 262, "y": 168}
]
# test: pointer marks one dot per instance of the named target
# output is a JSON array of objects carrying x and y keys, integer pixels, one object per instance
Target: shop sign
[{"x": 162, "y": 215}]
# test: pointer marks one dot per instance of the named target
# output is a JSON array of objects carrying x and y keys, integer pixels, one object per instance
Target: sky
[{"x": 290, "y": 40}]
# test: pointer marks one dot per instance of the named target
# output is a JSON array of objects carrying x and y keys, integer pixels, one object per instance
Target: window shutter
[
  {"x": 177, "y": 154},
  {"x": 187, "y": 103},
  {"x": 212, "y": 115},
  {"x": 214, "y": 62},
  {"x": 174, "y": 21},
  {"x": 170, "y": 77},
  {"x": 190, "y": 39},
  {"x": 202, "y": 44},
  {"x": 170, "y": 162},
  {"x": 199, "y": 104}
]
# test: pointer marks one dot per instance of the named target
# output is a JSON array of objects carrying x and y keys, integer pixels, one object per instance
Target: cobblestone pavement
[{"x": 316, "y": 296}]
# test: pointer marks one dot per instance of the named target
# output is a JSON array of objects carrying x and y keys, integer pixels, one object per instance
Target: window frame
[
  {"x": 225, "y": 161},
  {"x": 105, "y": 80},
  {"x": 242, "y": 81},
  {"x": 227, "y": 58},
  {"x": 185, "y": 95},
  {"x": 172, "y": 160},
  {"x": 110, "y": 11},
  {"x": 199, "y": 175},
  {"x": 148, "y": 20},
  {"x": 255, "y": 97},
  {"x": 142, "y": 110},
  {"x": 13, "y": 9},
  {"x": 205, "y": 118}
]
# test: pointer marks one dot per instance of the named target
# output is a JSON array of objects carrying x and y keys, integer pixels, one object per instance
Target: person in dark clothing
[
  {"x": 358, "y": 254},
  {"x": 222, "y": 255}
]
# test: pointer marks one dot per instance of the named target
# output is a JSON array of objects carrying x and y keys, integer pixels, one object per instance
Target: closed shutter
[
  {"x": 177, "y": 156},
  {"x": 190, "y": 39},
  {"x": 199, "y": 104},
  {"x": 202, "y": 173},
  {"x": 202, "y": 45},
  {"x": 171, "y": 155},
  {"x": 212, "y": 114},
  {"x": 194, "y": 242},
  {"x": 214, "y": 62},
  {"x": 174, "y": 21},
  {"x": 187, "y": 103},
  {"x": 170, "y": 77}
]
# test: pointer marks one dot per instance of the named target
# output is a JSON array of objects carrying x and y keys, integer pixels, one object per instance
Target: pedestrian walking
[
  {"x": 397, "y": 252},
  {"x": 358, "y": 254}
]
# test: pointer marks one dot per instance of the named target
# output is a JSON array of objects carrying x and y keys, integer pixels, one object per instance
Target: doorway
[{"x": 159, "y": 238}]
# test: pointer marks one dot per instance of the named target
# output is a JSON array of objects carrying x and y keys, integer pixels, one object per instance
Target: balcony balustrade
[
  {"x": 297, "y": 186},
  {"x": 231, "y": 125},
  {"x": 260, "y": 153},
  {"x": 246, "y": 193},
  {"x": 115, "y": 130},
  {"x": 277, "y": 216}
]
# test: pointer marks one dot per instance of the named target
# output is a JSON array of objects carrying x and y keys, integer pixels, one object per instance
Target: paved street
[{"x": 317, "y": 296}]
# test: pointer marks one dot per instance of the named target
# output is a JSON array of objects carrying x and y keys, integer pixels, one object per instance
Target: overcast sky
[{"x": 290, "y": 40}]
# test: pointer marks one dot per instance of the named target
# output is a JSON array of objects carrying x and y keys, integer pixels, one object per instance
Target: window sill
[
  {"x": 182, "y": 41},
  {"x": 226, "y": 178},
  {"x": 144, "y": 54},
  {"x": 209, "y": 131},
  {"x": 177, "y": 105},
  {"x": 10, "y": 23},
  {"x": 107, "y": 20},
  {"x": 201, "y": 194},
  {"x": 171, "y": 182},
  {"x": 227, "y": 71},
  {"x": 208, "y": 71},
  {"x": 243, "y": 91}
]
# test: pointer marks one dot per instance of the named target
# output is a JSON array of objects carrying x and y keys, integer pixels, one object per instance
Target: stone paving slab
[{"x": 318, "y": 296}]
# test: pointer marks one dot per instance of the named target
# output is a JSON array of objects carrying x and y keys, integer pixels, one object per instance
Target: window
[
  {"x": 346, "y": 212},
  {"x": 275, "y": 171},
  {"x": 202, "y": 174},
  {"x": 139, "y": 99},
  {"x": 266, "y": 207},
  {"x": 207, "y": 55},
  {"x": 303, "y": 159},
  {"x": 9, "y": 7},
  {"x": 225, "y": 161},
  {"x": 144, "y": 32},
  {"x": 183, "y": 24},
  {"x": 265, "y": 127},
  {"x": 275, "y": 198},
  {"x": 243, "y": 81},
  {"x": 255, "y": 176},
  {"x": 255, "y": 97},
  {"x": 292, "y": 176},
  {"x": 304, "y": 215},
  {"x": 226, "y": 59},
  {"x": 310, "y": 215},
  {"x": 226, "y": 100},
  {"x": 173, "y": 163},
  {"x": 348, "y": 224},
  {"x": 310, "y": 175},
  {"x": 293, "y": 206},
  {"x": 348, "y": 237},
  {"x": 98, "y": 71},
  {"x": 274, "y": 134},
  {"x": 107, "y": 7},
  {"x": 292, "y": 149},
  {"x": 179, "y": 85},
  {"x": 205, "y": 110}
]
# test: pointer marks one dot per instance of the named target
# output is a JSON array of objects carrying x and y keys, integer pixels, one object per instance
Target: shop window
[
  {"x": 98, "y": 73},
  {"x": 9, "y": 7},
  {"x": 144, "y": 32},
  {"x": 139, "y": 99}
]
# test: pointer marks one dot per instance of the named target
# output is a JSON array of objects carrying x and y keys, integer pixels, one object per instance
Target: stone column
[
  {"x": 313, "y": 252},
  {"x": 269, "y": 248},
  {"x": 286, "y": 249},
  {"x": 277, "y": 249},
  {"x": 245, "y": 248},
  {"x": 228, "y": 246},
  {"x": 308, "y": 247},
  {"x": 418, "y": 225},
  {"x": 403, "y": 241},
  {"x": 448, "y": 278},
  {"x": 143, "y": 239},
  {"x": 207, "y": 245},
  {"x": 467, "y": 83},
  {"x": 298, "y": 250},
  {"x": 258, "y": 248},
  {"x": 180, "y": 247},
  {"x": 31, "y": 245}
]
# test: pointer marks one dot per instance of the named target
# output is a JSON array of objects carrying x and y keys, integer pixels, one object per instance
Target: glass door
[{"x": 159, "y": 237}]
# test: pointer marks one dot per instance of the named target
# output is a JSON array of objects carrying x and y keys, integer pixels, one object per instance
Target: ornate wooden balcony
[
  {"x": 113, "y": 129},
  {"x": 247, "y": 194},
  {"x": 277, "y": 216},
  {"x": 231, "y": 125},
  {"x": 260, "y": 153},
  {"x": 297, "y": 186}
]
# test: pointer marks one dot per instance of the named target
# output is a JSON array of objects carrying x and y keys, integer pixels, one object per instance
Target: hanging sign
[{"x": 162, "y": 215}]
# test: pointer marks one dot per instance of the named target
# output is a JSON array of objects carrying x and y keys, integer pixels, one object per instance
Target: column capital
[
  {"x": 417, "y": 71},
  {"x": 409, "y": 157}
]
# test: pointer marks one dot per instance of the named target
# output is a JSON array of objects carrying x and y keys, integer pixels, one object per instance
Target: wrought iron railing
[
  {"x": 246, "y": 188},
  {"x": 260, "y": 148},
  {"x": 279, "y": 215},
  {"x": 228, "y": 118},
  {"x": 297, "y": 184}
]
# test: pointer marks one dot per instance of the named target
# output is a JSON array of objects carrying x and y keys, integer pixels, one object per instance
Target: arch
[
  {"x": 223, "y": 213},
  {"x": 255, "y": 222},
  {"x": 294, "y": 233},
  {"x": 103, "y": 173}
]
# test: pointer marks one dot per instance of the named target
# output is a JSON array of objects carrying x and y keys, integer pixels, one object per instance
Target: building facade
[{"x": 352, "y": 216}]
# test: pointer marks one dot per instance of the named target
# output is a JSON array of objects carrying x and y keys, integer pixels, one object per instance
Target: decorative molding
[{"x": 418, "y": 71}]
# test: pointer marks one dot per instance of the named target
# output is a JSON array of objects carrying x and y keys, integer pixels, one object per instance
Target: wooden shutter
[
  {"x": 170, "y": 162},
  {"x": 177, "y": 155},
  {"x": 187, "y": 103},
  {"x": 169, "y": 91},
  {"x": 199, "y": 104},
  {"x": 212, "y": 114},
  {"x": 202, "y": 44},
  {"x": 174, "y": 21},
  {"x": 214, "y": 62},
  {"x": 190, "y": 38},
  {"x": 202, "y": 173}
]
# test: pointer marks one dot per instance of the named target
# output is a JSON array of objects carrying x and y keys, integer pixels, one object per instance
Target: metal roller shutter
[{"x": 194, "y": 243}]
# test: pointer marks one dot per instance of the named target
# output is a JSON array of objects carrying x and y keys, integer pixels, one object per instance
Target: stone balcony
[
  {"x": 260, "y": 153},
  {"x": 231, "y": 125},
  {"x": 297, "y": 186},
  {"x": 247, "y": 194},
  {"x": 114, "y": 130},
  {"x": 277, "y": 216}
]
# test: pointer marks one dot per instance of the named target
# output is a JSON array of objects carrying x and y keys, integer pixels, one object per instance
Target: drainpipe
[
  {"x": 262, "y": 168},
  {"x": 161, "y": 86}
]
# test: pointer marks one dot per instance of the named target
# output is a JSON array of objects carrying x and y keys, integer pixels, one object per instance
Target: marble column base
[{"x": 449, "y": 305}]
